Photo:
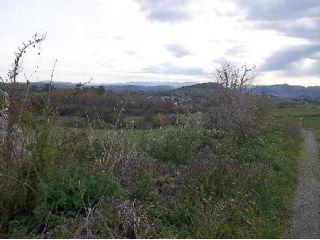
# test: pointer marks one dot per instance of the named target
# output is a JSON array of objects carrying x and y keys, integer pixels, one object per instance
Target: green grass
[
  {"x": 199, "y": 90},
  {"x": 186, "y": 181},
  {"x": 308, "y": 118},
  {"x": 256, "y": 190},
  {"x": 296, "y": 112},
  {"x": 268, "y": 157}
]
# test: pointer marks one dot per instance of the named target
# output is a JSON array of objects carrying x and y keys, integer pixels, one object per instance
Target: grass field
[{"x": 307, "y": 118}]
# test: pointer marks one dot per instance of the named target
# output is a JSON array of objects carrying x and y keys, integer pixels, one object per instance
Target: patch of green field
[
  {"x": 295, "y": 112},
  {"x": 307, "y": 118}
]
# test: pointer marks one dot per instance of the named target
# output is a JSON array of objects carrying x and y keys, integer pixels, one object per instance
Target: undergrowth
[{"x": 184, "y": 181}]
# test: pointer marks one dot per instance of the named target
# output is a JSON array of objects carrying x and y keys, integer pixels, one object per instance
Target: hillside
[
  {"x": 191, "y": 89},
  {"x": 197, "y": 90},
  {"x": 278, "y": 90},
  {"x": 288, "y": 91},
  {"x": 139, "y": 87}
]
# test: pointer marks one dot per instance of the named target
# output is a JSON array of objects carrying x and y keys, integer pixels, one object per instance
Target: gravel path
[{"x": 306, "y": 217}]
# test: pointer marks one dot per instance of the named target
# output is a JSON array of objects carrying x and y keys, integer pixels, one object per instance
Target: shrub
[
  {"x": 176, "y": 144},
  {"x": 69, "y": 191},
  {"x": 235, "y": 106}
]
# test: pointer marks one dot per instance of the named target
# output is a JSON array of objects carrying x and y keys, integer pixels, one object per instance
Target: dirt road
[{"x": 306, "y": 217}]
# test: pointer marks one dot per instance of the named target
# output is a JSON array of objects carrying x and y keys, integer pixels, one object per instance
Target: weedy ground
[
  {"x": 307, "y": 118},
  {"x": 180, "y": 181}
]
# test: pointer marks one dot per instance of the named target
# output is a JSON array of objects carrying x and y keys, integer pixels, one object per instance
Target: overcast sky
[{"x": 164, "y": 40}]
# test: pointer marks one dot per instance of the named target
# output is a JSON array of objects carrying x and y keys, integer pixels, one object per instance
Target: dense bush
[{"x": 176, "y": 144}]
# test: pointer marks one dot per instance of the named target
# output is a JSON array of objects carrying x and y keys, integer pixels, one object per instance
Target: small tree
[{"x": 235, "y": 105}]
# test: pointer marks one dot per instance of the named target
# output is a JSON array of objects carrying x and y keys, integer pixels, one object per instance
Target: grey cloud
[
  {"x": 293, "y": 18},
  {"x": 274, "y": 10},
  {"x": 220, "y": 61},
  {"x": 178, "y": 50},
  {"x": 313, "y": 70},
  {"x": 168, "y": 68},
  {"x": 295, "y": 28},
  {"x": 237, "y": 50},
  {"x": 297, "y": 18},
  {"x": 282, "y": 60},
  {"x": 294, "y": 69},
  {"x": 165, "y": 10}
]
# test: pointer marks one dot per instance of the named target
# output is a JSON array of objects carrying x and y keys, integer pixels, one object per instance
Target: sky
[{"x": 163, "y": 40}]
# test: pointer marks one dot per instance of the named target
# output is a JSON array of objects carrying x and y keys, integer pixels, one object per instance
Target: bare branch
[{"x": 13, "y": 73}]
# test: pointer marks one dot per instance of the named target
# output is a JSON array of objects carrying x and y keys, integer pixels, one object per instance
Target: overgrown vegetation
[
  {"x": 205, "y": 176},
  {"x": 308, "y": 118}
]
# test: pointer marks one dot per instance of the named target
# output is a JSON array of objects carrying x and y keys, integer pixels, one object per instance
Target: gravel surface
[{"x": 305, "y": 222}]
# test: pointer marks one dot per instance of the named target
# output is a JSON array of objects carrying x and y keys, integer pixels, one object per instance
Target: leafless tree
[
  {"x": 232, "y": 77},
  {"x": 235, "y": 105},
  {"x": 13, "y": 144}
]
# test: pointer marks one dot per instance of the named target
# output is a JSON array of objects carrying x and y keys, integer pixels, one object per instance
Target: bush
[
  {"x": 176, "y": 144},
  {"x": 69, "y": 191}
]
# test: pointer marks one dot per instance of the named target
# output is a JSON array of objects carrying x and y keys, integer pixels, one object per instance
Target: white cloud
[{"x": 115, "y": 41}]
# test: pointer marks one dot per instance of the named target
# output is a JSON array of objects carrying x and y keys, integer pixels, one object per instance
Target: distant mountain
[
  {"x": 138, "y": 88},
  {"x": 129, "y": 86},
  {"x": 192, "y": 89},
  {"x": 279, "y": 90},
  {"x": 60, "y": 85},
  {"x": 287, "y": 91},
  {"x": 145, "y": 86},
  {"x": 146, "y": 83}
]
